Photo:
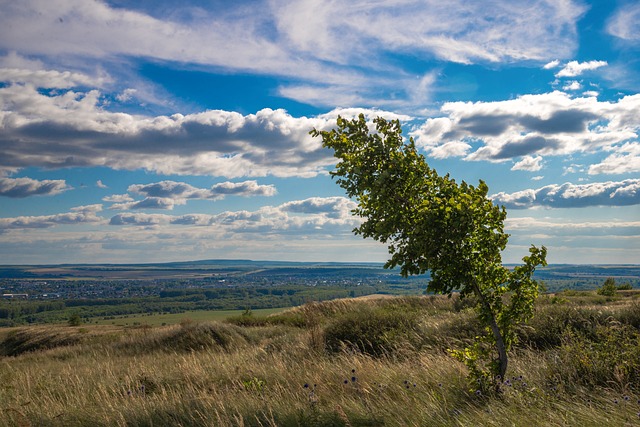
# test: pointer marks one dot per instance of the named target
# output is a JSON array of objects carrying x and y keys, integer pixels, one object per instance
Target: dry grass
[{"x": 278, "y": 375}]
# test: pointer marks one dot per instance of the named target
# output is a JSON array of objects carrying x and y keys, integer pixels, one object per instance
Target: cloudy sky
[{"x": 143, "y": 131}]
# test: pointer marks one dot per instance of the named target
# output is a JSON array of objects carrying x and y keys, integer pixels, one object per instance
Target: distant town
[{"x": 42, "y": 294}]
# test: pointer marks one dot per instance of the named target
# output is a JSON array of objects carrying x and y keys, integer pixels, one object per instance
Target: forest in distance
[{"x": 52, "y": 293}]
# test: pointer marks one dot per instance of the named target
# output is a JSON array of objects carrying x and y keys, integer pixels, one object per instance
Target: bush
[
  {"x": 372, "y": 331},
  {"x": 611, "y": 358},
  {"x": 609, "y": 288}
]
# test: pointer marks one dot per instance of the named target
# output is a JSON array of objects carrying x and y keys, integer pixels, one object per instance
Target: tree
[
  {"x": 609, "y": 288},
  {"x": 74, "y": 320},
  {"x": 431, "y": 223}
]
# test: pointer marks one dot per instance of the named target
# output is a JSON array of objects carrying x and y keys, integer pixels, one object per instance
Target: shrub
[
  {"x": 611, "y": 358},
  {"x": 198, "y": 336},
  {"x": 372, "y": 331},
  {"x": 609, "y": 288}
]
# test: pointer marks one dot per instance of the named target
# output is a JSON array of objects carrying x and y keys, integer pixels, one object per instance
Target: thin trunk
[{"x": 502, "y": 349}]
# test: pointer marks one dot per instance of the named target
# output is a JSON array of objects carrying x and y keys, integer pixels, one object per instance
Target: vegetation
[
  {"x": 433, "y": 224},
  {"x": 180, "y": 300},
  {"x": 327, "y": 364}
]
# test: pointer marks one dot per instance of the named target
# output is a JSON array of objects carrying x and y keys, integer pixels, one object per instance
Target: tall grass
[{"x": 286, "y": 373}]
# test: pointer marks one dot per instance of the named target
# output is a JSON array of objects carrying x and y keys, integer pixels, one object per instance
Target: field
[{"x": 350, "y": 362}]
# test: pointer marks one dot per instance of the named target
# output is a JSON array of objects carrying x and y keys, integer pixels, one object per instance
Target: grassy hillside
[{"x": 373, "y": 362}]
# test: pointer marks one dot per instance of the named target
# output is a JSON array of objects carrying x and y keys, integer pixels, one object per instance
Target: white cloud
[
  {"x": 568, "y": 195},
  {"x": 625, "y": 159},
  {"x": 625, "y": 22},
  {"x": 167, "y": 194},
  {"x": 117, "y": 198},
  {"x": 314, "y": 215},
  {"x": 575, "y": 68},
  {"x": 100, "y": 184},
  {"x": 315, "y": 42},
  {"x": 550, "y": 124},
  {"x": 126, "y": 95},
  {"x": 25, "y": 187},
  {"x": 553, "y": 64},
  {"x": 78, "y": 215},
  {"x": 49, "y": 78},
  {"x": 71, "y": 129},
  {"x": 528, "y": 163},
  {"x": 572, "y": 85}
]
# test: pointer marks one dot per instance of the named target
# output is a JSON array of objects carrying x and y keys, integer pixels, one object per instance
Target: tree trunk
[{"x": 500, "y": 346}]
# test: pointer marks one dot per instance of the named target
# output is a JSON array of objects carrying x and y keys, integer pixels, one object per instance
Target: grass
[
  {"x": 286, "y": 372},
  {"x": 175, "y": 318}
]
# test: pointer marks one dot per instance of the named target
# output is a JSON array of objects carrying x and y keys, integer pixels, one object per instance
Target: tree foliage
[
  {"x": 608, "y": 288},
  {"x": 431, "y": 223}
]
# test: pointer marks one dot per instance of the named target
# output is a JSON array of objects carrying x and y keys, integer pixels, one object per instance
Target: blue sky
[{"x": 154, "y": 131}]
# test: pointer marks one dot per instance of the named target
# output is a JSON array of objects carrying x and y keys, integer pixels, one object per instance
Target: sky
[{"x": 152, "y": 131}]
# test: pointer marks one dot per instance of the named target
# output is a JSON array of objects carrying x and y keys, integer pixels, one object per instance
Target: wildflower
[
  {"x": 440, "y": 385},
  {"x": 306, "y": 385},
  {"x": 615, "y": 401},
  {"x": 478, "y": 393},
  {"x": 346, "y": 381},
  {"x": 128, "y": 392},
  {"x": 626, "y": 398},
  {"x": 353, "y": 379},
  {"x": 353, "y": 371}
]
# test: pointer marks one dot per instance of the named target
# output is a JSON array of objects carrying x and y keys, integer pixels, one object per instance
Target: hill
[{"x": 348, "y": 362}]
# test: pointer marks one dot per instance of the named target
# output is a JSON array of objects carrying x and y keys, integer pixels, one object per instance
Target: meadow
[{"x": 348, "y": 362}]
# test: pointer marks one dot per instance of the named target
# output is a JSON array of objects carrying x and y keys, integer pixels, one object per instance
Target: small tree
[
  {"x": 609, "y": 288},
  {"x": 74, "y": 320},
  {"x": 431, "y": 223}
]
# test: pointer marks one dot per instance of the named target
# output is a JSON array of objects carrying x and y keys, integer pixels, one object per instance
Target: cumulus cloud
[
  {"x": 100, "y": 184},
  {"x": 572, "y": 85},
  {"x": 150, "y": 203},
  {"x": 528, "y": 163},
  {"x": 575, "y": 68},
  {"x": 533, "y": 125},
  {"x": 71, "y": 129},
  {"x": 49, "y": 78},
  {"x": 568, "y": 195},
  {"x": 313, "y": 215},
  {"x": 78, "y": 215},
  {"x": 25, "y": 187},
  {"x": 553, "y": 64},
  {"x": 167, "y": 194},
  {"x": 118, "y": 198}
]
